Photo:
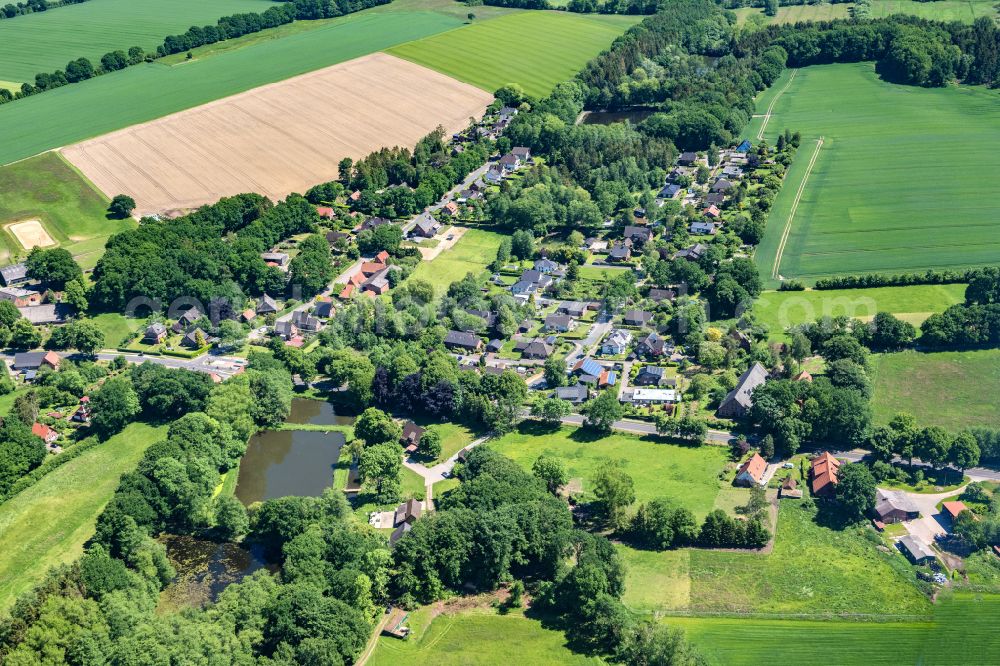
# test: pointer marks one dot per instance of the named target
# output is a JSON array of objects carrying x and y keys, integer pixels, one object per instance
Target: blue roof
[
  {"x": 591, "y": 367},
  {"x": 744, "y": 147},
  {"x": 612, "y": 378}
]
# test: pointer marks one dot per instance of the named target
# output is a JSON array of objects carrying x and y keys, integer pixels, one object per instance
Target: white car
[{"x": 787, "y": 465}]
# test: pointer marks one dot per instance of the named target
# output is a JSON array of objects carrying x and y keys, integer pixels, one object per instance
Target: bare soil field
[
  {"x": 280, "y": 138},
  {"x": 30, "y": 233}
]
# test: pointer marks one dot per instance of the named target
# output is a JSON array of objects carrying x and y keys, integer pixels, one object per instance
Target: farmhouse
[
  {"x": 13, "y": 275},
  {"x": 36, "y": 360},
  {"x": 462, "y": 340},
  {"x": 823, "y": 474},
  {"x": 739, "y": 401},
  {"x": 616, "y": 343},
  {"x": 751, "y": 472},
  {"x": 894, "y": 507},
  {"x": 916, "y": 550}
]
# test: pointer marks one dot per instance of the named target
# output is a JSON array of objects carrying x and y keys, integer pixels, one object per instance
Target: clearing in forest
[
  {"x": 898, "y": 184},
  {"x": 277, "y": 139}
]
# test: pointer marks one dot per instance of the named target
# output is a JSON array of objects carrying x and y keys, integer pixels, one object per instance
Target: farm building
[
  {"x": 953, "y": 509},
  {"x": 738, "y": 402},
  {"x": 14, "y": 274},
  {"x": 823, "y": 474},
  {"x": 36, "y": 360},
  {"x": 895, "y": 507},
  {"x": 916, "y": 550}
]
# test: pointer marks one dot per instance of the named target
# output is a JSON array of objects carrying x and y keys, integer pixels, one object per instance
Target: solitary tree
[
  {"x": 602, "y": 412},
  {"x": 551, "y": 471},
  {"x": 121, "y": 206},
  {"x": 615, "y": 491}
]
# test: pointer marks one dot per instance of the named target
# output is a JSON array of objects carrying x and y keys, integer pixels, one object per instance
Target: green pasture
[
  {"x": 476, "y": 636},
  {"x": 536, "y": 50},
  {"x": 48, "y": 523},
  {"x": 779, "y": 310},
  {"x": 116, "y": 327},
  {"x": 472, "y": 253},
  {"x": 897, "y": 185},
  {"x": 950, "y": 389},
  {"x": 47, "y": 189},
  {"x": 685, "y": 475},
  {"x": 153, "y": 90},
  {"x": 940, "y": 10},
  {"x": 46, "y": 41}
]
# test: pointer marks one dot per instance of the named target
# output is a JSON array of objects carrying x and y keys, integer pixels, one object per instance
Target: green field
[
  {"x": 780, "y": 309},
  {"x": 48, "y": 523},
  {"x": 940, "y": 10},
  {"x": 472, "y": 253},
  {"x": 116, "y": 327},
  {"x": 154, "y": 90},
  {"x": 46, "y": 41},
  {"x": 533, "y": 49},
  {"x": 47, "y": 189},
  {"x": 897, "y": 184},
  {"x": 477, "y": 636},
  {"x": 949, "y": 389},
  {"x": 686, "y": 475}
]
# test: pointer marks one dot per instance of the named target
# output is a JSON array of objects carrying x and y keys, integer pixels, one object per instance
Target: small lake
[
  {"x": 634, "y": 116},
  {"x": 205, "y": 568},
  {"x": 316, "y": 412},
  {"x": 279, "y": 463}
]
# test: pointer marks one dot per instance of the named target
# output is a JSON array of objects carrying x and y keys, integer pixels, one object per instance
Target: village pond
[
  {"x": 205, "y": 568},
  {"x": 316, "y": 412}
]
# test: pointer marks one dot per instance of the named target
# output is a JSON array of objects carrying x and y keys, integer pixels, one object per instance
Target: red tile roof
[
  {"x": 824, "y": 472},
  {"x": 954, "y": 508},
  {"x": 755, "y": 467}
]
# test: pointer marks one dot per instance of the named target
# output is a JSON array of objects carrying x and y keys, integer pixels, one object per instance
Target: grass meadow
[
  {"x": 536, "y": 50},
  {"x": 48, "y": 189},
  {"x": 155, "y": 89},
  {"x": 897, "y": 185},
  {"x": 472, "y": 253},
  {"x": 780, "y": 309},
  {"x": 950, "y": 389},
  {"x": 48, "y": 523},
  {"x": 941, "y": 10},
  {"x": 46, "y": 41}
]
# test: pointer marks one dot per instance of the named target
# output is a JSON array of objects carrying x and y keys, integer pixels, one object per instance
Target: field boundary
[
  {"x": 770, "y": 107},
  {"x": 791, "y": 214}
]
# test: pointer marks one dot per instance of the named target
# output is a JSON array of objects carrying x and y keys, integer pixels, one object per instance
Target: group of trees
[
  {"x": 973, "y": 323},
  {"x": 10, "y": 10},
  {"x": 581, "y": 6}
]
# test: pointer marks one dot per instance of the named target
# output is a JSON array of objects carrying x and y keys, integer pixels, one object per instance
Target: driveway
[
  {"x": 432, "y": 475},
  {"x": 930, "y": 523}
]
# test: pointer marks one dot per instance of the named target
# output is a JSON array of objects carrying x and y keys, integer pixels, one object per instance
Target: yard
[
  {"x": 116, "y": 328},
  {"x": 866, "y": 206},
  {"x": 779, "y": 310},
  {"x": 475, "y": 250},
  {"x": 48, "y": 523},
  {"x": 950, "y": 389}
]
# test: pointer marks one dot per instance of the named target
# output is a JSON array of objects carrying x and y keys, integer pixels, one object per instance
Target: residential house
[
  {"x": 751, "y": 472},
  {"x": 378, "y": 283},
  {"x": 20, "y": 297},
  {"x": 36, "y": 360},
  {"x": 82, "y": 413},
  {"x": 722, "y": 185},
  {"x": 638, "y": 235},
  {"x": 893, "y": 506},
  {"x": 155, "y": 334},
  {"x": 651, "y": 345},
  {"x": 408, "y": 512},
  {"x": 373, "y": 222},
  {"x": 522, "y": 153},
  {"x": 411, "y": 436},
  {"x": 248, "y": 315},
  {"x": 489, "y": 318},
  {"x": 44, "y": 432},
  {"x": 953, "y": 509},
  {"x": 572, "y": 308},
  {"x": 732, "y": 172},
  {"x": 286, "y": 330},
  {"x": 493, "y": 176},
  {"x": 916, "y": 550},
  {"x": 536, "y": 350},
  {"x": 186, "y": 320},
  {"x": 279, "y": 259},
  {"x": 333, "y": 237},
  {"x": 587, "y": 370},
  {"x": 823, "y": 474},
  {"x": 462, "y": 340},
  {"x": 741, "y": 339},
  {"x": 651, "y": 375},
  {"x": 744, "y": 147},
  {"x": 325, "y": 212},
  {"x": 669, "y": 191},
  {"x": 559, "y": 323},
  {"x": 687, "y": 158},
  {"x": 546, "y": 266},
  {"x": 494, "y": 346},
  {"x": 789, "y": 489},
  {"x": 510, "y": 163},
  {"x": 620, "y": 253},
  {"x": 324, "y": 309},
  {"x": 693, "y": 253},
  {"x": 738, "y": 402},
  {"x": 659, "y": 295},
  {"x": 704, "y": 228},
  {"x": 715, "y": 199},
  {"x": 13, "y": 275},
  {"x": 576, "y": 394},
  {"x": 803, "y": 376},
  {"x": 306, "y": 322},
  {"x": 451, "y": 208},
  {"x": 617, "y": 342},
  {"x": 637, "y": 317},
  {"x": 191, "y": 339},
  {"x": 711, "y": 212},
  {"x": 266, "y": 305},
  {"x": 395, "y": 628},
  {"x": 426, "y": 226}
]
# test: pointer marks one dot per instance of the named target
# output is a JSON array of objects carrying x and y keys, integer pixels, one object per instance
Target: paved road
[
  {"x": 644, "y": 428},
  {"x": 432, "y": 475},
  {"x": 334, "y": 287},
  {"x": 224, "y": 366},
  {"x": 449, "y": 195},
  {"x": 974, "y": 473}
]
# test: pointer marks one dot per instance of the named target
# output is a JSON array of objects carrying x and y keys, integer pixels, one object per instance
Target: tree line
[
  {"x": 581, "y": 6},
  {"x": 10, "y": 10},
  {"x": 974, "y": 323}
]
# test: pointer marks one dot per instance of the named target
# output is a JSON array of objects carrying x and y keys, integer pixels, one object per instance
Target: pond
[
  {"x": 279, "y": 463},
  {"x": 205, "y": 568},
  {"x": 634, "y": 116},
  {"x": 316, "y": 412}
]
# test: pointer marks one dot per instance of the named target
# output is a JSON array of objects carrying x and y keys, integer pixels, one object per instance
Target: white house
[
  {"x": 653, "y": 396},
  {"x": 616, "y": 343}
]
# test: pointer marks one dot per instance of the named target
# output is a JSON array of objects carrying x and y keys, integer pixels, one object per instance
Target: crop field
[
  {"x": 896, "y": 185},
  {"x": 305, "y": 125},
  {"x": 685, "y": 475},
  {"x": 950, "y": 389},
  {"x": 536, "y": 50},
  {"x": 46, "y": 41},
  {"x": 779, "y": 310},
  {"x": 154, "y": 90},
  {"x": 48, "y": 523},
  {"x": 473, "y": 252},
  {"x": 71, "y": 210},
  {"x": 941, "y": 10}
]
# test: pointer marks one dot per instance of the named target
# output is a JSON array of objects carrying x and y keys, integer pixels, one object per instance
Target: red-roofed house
[
  {"x": 47, "y": 434},
  {"x": 382, "y": 256},
  {"x": 451, "y": 208},
  {"x": 370, "y": 268},
  {"x": 953, "y": 508},
  {"x": 751, "y": 472},
  {"x": 355, "y": 195},
  {"x": 712, "y": 211},
  {"x": 325, "y": 211},
  {"x": 823, "y": 473}
]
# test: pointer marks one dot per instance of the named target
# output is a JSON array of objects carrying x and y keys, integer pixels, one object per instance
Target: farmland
[
  {"x": 71, "y": 210},
  {"x": 475, "y": 250},
  {"x": 48, "y": 523},
  {"x": 780, "y": 309},
  {"x": 156, "y": 90},
  {"x": 895, "y": 186},
  {"x": 944, "y": 10},
  {"x": 202, "y": 154},
  {"x": 46, "y": 41},
  {"x": 949, "y": 389},
  {"x": 533, "y": 49}
]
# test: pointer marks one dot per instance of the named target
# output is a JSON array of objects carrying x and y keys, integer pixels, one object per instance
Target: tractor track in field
[
  {"x": 770, "y": 107},
  {"x": 791, "y": 213}
]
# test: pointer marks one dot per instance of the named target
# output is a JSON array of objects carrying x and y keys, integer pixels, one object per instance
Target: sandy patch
[
  {"x": 280, "y": 138},
  {"x": 31, "y": 233}
]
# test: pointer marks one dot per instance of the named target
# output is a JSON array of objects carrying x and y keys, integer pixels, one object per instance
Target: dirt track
[{"x": 276, "y": 139}]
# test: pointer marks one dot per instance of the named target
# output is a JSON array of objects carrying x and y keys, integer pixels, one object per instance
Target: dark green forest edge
[{"x": 502, "y": 526}]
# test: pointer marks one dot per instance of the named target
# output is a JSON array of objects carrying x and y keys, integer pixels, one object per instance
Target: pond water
[
  {"x": 634, "y": 116},
  {"x": 316, "y": 412},
  {"x": 205, "y": 568},
  {"x": 279, "y": 463}
]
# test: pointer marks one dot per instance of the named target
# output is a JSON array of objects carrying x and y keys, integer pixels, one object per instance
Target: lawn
[
  {"x": 154, "y": 89},
  {"x": 686, "y": 475},
  {"x": 48, "y": 523},
  {"x": 47, "y": 189},
  {"x": 941, "y": 10},
  {"x": 477, "y": 636},
  {"x": 536, "y": 50},
  {"x": 475, "y": 250},
  {"x": 950, "y": 389},
  {"x": 896, "y": 185},
  {"x": 454, "y": 437},
  {"x": 116, "y": 328},
  {"x": 779, "y": 310},
  {"x": 812, "y": 570}
]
